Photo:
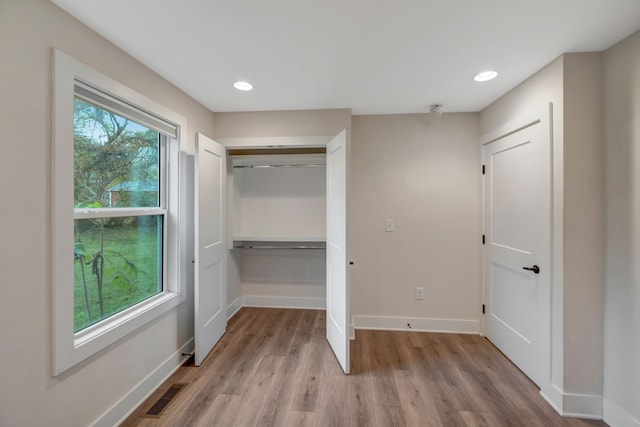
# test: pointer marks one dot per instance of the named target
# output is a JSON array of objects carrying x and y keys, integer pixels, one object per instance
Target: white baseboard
[
  {"x": 138, "y": 394},
  {"x": 418, "y": 324},
  {"x": 616, "y": 416},
  {"x": 582, "y": 406},
  {"x": 233, "y": 308},
  {"x": 553, "y": 395},
  {"x": 588, "y": 406},
  {"x": 316, "y": 303}
]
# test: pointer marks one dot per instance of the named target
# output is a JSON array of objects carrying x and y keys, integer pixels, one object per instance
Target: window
[
  {"x": 116, "y": 243},
  {"x": 118, "y": 212}
]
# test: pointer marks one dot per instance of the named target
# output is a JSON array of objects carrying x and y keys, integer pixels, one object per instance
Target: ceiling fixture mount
[
  {"x": 435, "y": 110},
  {"x": 485, "y": 76},
  {"x": 241, "y": 85}
]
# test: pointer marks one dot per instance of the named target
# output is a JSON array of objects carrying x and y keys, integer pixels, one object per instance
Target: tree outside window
[{"x": 117, "y": 244}]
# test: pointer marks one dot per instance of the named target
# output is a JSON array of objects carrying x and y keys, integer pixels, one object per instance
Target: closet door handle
[{"x": 533, "y": 268}]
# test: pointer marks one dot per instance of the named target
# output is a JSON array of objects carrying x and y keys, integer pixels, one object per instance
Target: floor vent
[{"x": 156, "y": 410}]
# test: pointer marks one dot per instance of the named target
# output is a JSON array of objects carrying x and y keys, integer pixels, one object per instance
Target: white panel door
[
  {"x": 517, "y": 268},
  {"x": 210, "y": 287},
  {"x": 337, "y": 279}
]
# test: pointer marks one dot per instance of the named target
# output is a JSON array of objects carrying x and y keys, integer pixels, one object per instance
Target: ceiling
[{"x": 373, "y": 56}]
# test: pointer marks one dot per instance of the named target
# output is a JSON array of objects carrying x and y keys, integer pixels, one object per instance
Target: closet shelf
[
  {"x": 301, "y": 165},
  {"x": 281, "y": 239},
  {"x": 256, "y": 245},
  {"x": 271, "y": 243}
]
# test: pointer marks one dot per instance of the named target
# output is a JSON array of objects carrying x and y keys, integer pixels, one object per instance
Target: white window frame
[{"x": 70, "y": 348}]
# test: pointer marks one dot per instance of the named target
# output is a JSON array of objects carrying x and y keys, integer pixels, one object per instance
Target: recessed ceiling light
[
  {"x": 485, "y": 75},
  {"x": 240, "y": 85}
]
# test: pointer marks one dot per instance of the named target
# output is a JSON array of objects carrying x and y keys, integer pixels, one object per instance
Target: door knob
[{"x": 534, "y": 268}]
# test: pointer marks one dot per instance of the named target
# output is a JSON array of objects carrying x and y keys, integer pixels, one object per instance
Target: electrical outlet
[{"x": 419, "y": 293}]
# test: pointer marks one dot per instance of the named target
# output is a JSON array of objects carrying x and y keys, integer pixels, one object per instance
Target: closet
[
  {"x": 277, "y": 223},
  {"x": 278, "y": 205}
]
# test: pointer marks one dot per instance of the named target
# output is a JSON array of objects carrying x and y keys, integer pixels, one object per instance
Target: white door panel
[
  {"x": 513, "y": 176},
  {"x": 337, "y": 279},
  {"x": 210, "y": 286},
  {"x": 517, "y": 219},
  {"x": 513, "y": 285}
]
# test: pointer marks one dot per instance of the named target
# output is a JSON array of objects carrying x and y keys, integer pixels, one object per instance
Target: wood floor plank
[
  {"x": 480, "y": 419},
  {"x": 306, "y": 397},
  {"x": 223, "y": 412},
  {"x": 258, "y": 395},
  {"x": 414, "y": 401},
  {"x": 302, "y": 419},
  {"x": 360, "y": 408},
  {"x": 381, "y": 362},
  {"x": 281, "y": 393},
  {"x": 333, "y": 400},
  {"x": 274, "y": 367},
  {"x": 391, "y": 416}
]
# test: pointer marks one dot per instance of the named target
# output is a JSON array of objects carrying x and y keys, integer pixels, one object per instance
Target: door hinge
[
  {"x": 482, "y": 308},
  {"x": 483, "y": 171},
  {"x": 483, "y": 239}
]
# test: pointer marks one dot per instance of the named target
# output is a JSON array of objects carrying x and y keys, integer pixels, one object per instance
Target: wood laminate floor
[{"x": 273, "y": 367}]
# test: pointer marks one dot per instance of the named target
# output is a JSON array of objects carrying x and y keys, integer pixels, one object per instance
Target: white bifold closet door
[
  {"x": 337, "y": 279},
  {"x": 210, "y": 286},
  {"x": 210, "y": 228}
]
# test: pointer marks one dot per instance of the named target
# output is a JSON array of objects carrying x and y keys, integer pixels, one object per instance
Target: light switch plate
[{"x": 389, "y": 225}]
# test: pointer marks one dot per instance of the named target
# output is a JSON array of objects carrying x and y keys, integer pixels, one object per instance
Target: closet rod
[
  {"x": 277, "y": 247},
  {"x": 305, "y": 165}
]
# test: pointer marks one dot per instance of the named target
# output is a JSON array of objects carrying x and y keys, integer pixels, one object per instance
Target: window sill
[
  {"x": 152, "y": 307},
  {"x": 77, "y": 347}
]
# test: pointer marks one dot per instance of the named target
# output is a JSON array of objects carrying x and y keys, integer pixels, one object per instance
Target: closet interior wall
[{"x": 277, "y": 211}]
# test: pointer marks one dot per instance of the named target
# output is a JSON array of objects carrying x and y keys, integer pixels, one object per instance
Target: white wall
[
  {"x": 28, "y": 32},
  {"x": 573, "y": 84},
  {"x": 281, "y": 123},
  {"x": 622, "y": 280},
  {"x": 583, "y": 254},
  {"x": 280, "y": 204},
  {"x": 422, "y": 172}
]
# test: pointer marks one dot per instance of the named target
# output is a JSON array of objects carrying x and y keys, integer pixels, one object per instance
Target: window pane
[
  {"x": 118, "y": 263},
  {"x": 116, "y": 161}
]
